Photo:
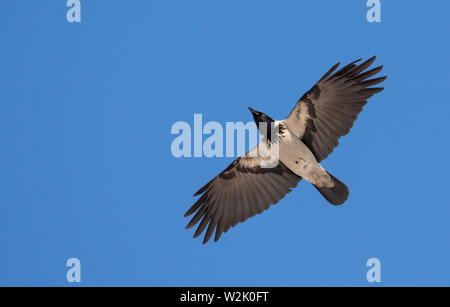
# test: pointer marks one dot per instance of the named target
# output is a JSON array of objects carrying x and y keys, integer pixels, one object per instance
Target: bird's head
[
  {"x": 263, "y": 120},
  {"x": 260, "y": 117}
]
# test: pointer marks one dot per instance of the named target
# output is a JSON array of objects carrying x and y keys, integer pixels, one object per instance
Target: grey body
[{"x": 299, "y": 158}]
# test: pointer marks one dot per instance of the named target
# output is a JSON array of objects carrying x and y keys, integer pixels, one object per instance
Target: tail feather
[{"x": 336, "y": 195}]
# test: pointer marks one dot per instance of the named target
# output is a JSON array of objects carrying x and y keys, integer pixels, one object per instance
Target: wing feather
[
  {"x": 328, "y": 110},
  {"x": 241, "y": 191}
]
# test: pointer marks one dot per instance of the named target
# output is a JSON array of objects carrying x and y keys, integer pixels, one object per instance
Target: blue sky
[{"x": 86, "y": 169}]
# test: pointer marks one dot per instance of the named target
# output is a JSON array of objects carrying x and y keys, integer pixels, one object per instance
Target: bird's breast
[{"x": 300, "y": 160}]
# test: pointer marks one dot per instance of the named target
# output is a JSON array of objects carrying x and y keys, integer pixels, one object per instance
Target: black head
[{"x": 260, "y": 117}]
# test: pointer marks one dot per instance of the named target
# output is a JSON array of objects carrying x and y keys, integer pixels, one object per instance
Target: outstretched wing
[
  {"x": 329, "y": 109},
  {"x": 241, "y": 191}
]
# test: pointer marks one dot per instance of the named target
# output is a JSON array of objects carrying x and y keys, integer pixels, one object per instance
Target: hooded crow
[{"x": 305, "y": 138}]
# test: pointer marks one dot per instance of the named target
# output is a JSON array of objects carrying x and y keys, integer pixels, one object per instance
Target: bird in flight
[{"x": 305, "y": 138}]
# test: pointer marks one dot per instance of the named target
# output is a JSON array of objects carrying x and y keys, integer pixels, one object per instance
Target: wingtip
[
  {"x": 207, "y": 235},
  {"x": 372, "y": 59},
  {"x": 377, "y": 90},
  {"x": 217, "y": 236}
]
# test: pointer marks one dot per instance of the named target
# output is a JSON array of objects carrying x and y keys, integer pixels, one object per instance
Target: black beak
[{"x": 253, "y": 111}]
